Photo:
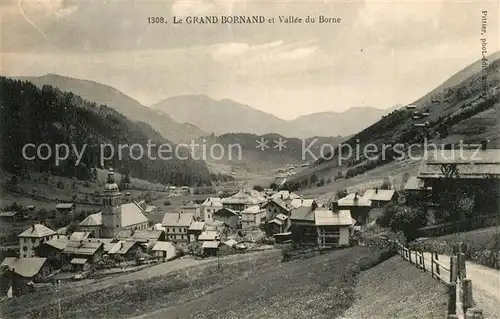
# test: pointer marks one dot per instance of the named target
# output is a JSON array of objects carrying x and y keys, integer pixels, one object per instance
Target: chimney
[
  {"x": 33, "y": 227},
  {"x": 356, "y": 196},
  {"x": 376, "y": 190}
]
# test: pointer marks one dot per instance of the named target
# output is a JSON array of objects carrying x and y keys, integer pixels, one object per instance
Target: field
[
  {"x": 319, "y": 287},
  {"x": 407, "y": 292}
]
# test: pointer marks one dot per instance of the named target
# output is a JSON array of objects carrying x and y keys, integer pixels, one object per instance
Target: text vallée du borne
[{"x": 289, "y": 19}]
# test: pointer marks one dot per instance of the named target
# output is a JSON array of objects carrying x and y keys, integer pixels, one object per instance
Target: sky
[{"x": 382, "y": 53}]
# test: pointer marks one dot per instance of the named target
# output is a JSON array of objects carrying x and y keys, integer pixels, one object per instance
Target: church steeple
[{"x": 111, "y": 210}]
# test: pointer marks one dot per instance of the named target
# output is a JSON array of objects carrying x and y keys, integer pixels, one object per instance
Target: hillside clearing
[{"x": 397, "y": 289}]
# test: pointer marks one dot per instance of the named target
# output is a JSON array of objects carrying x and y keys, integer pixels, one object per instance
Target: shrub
[
  {"x": 60, "y": 185},
  {"x": 258, "y": 188},
  {"x": 167, "y": 203}
]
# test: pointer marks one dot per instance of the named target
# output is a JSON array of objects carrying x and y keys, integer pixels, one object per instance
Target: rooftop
[
  {"x": 414, "y": 183},
  {"x": 208, "y": 235},
  {"x": 139, "y": 235},
  {"x": 65, "y": 205},
  {"x": 353, "y": 200},
  {"x": 80, "y": 235},
  {"x": 212, "y": 201},
  {"x": 197, "y": 226},
  {"x": 246, "y": 197},
  {"x": 37, "y": 231},
  {"x": 324, "y": 217},
  {"x": 83, "y": 247},
  {"x": 131, "y": 215},
  {"x": 25, "y": 267},
  {"x": 302, "y": 213},
  {"x": 376, "y": 194},
  {"x": 59, "y": 243},
  {"x": 470, "y": 163},
  {"x": 177, "y": 219},
  {"x": 252, "y": 210},
  {"x": 121, "y": 247},
  {"x": 163, "y": 246}
]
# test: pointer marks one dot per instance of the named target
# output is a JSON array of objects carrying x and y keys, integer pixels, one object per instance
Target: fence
[{"x": 451, "y": 272}]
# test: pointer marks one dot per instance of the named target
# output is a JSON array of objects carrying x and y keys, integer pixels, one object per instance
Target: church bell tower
[{"x": 111, "y": 208}]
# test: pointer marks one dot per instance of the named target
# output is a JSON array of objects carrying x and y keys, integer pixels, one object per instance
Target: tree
[
  {"x": 258, "y": 188},
  {"x": 273, "y": 186},
  {"x": 386, "y": 183},
  {"x": 313, "y": 179},
  {"x": 341, "y": 193},
  {"x": 408, "y": 221}
]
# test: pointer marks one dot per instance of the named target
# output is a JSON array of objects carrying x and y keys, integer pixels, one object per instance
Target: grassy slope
[
  {"x": 480, "y": 126},
  {"x": 407, "y": 293},
  {"x": 262, "y": 287}
]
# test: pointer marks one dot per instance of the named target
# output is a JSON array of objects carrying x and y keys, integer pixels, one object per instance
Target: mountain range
[
  {"x": 107, "y": 95},
  {"x": 227, "y": 116},
  {"x": 184, "y": 118}
]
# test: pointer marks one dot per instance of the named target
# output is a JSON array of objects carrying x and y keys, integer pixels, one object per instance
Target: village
[{"x": 120, "y": 238}]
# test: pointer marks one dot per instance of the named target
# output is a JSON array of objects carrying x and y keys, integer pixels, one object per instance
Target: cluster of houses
[{"x": 117, "y": 230}]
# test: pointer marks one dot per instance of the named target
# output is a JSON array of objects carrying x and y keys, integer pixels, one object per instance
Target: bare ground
[{"x": 396, "y": 289}]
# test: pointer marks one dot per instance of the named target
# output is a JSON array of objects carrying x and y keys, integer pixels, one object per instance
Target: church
[{"x": 114, "y": 215}]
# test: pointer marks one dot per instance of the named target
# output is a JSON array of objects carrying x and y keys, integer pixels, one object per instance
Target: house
[
  {"x": 277, "y": 206},
  {"x": 191, "y": 208},
  {"x": 34, "y": 269},
  {"x": 229, "y": 217},
  {"x": 303, "y": 227},
  {"x": 32, "y": 238},
  {"x": 279, "y": 224},
  {"x": 380, "y": 197},
  {"x": 209, "y": 207},
  {"x": 147, "y": 237},
  {"x": 114, "y": 216},
  {"x": 78, "y": 251},
  {"x": 66, "y": 209},
  {"x": 126, "y": 249},
  {"x": 165, "y": 250},
  {"x": 177, "y": 225},
  {"x": 15, "y": 216},
  {"x": 210, "y": 248},
  {"x": 333, "y": 228},
  {"x": 52, "y": 250},
  {"x": 253, "y": 217},
  {"x": 358, "y": 206},
  {"x": 415, "y": 191},
  {"x": 195, "y": 230},
  {"x": 243, "y": 199},
  {"x": 479, "y": 170}
]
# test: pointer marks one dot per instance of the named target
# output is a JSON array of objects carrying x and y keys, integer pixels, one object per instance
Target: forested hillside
[{"x": 29, "y": 114}]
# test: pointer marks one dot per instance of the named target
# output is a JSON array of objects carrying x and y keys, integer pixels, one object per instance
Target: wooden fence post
[
  {"x": 437, "y": 265},
  {"x": 432, "y": 265},
  {"x": 453, "y": 269},
  {"x": 409, "y": 254},
  {"x": 452, "y": 299},
  {"x": 467, "y": 294},
  {"x": 462, "y": 273},
  {"x": 422, "y": 258}
]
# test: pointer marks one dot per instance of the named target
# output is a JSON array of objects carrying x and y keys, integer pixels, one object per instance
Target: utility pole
[{"x": 59, "y": 316}]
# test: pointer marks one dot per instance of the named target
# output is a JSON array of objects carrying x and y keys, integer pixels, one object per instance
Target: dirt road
[{"x": 485, "y": 284}]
